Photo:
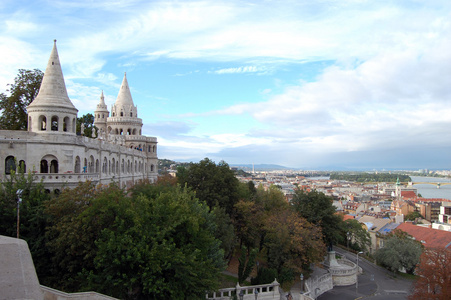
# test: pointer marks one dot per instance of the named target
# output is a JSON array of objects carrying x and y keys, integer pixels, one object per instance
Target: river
[{"x": 431, "y": 191}]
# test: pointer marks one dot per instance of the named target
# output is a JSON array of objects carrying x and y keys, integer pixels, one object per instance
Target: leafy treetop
[{"x": 22, "y": 92}]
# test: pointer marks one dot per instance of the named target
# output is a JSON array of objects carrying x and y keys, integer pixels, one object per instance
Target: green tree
[
  {"x": 72, "y": 236},
  {"x": 88, "y": 123},
  {"x": 22, "y": 92},
  {"x": 249, "y": 220},
  {"x": 317, "y": 209},
  {"x": 246, "y": 263},
  {"x": 33, "y": 220},
  {"x": 271, "y": 199},
  {"x": 225, "y": 232},
  {"x": 400, "y": 251},
  {"x": 134, "y": 248},
  {"x": 215, "y": 184},
  {"x": 168, "y": 247},
  {"x": 357, "y": 234},
  {"x": 413, "y": 215}
]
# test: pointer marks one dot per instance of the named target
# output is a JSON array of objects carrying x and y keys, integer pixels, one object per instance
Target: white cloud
[
  {"x": 245, "y": 69},
  {"x": 388, "y": 87}
]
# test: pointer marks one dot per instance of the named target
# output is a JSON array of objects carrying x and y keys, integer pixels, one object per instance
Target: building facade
[{"x": 55, "y": 153}]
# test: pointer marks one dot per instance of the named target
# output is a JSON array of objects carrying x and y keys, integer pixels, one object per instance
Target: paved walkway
[{"x": 375, "y": 283}]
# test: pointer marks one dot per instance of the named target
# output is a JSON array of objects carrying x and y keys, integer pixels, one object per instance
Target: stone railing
[
  {"x": 263, "y": 291},
  {"x": 344, "y": 275},
  {"x": 65, "y": 177},
  {"x": 317, "y": 286},
  {"x": 52, "y": 294}
]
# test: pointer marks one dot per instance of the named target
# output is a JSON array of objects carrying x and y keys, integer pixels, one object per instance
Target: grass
[
  {"x": 407, "y": 276},
  {"x": 227, "y": 281}
]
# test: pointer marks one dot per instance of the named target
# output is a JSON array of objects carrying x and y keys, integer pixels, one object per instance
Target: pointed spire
[
  {"x": 53, "y": 88},
  {"x": 124, "y": 98},
  {"x": 102, "y": 99}
]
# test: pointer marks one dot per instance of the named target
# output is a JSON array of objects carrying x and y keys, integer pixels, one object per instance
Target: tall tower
[
  {"x": 101, "y": 115},
  {"x": 398, "y": 189},
  {"x": 52, "y": 111},
  {"x": 124, "y": 114}
]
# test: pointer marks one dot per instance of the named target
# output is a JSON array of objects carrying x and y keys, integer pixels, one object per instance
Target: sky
[{"x": 313, "y": 85}]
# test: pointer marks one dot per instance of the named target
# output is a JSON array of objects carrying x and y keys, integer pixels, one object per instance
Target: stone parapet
[
  {"x": 18, "y": 279},
  {"x": 52, "y": 294}
]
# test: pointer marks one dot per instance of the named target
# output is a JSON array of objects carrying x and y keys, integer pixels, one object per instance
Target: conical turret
[
  {"x": 124, "y": 114},
  {"x": 100, "y": 115},
  {"x": 53, "y": 88},
  {"x": 124, "y": 98},
  {"x": 52, "y": 110}
]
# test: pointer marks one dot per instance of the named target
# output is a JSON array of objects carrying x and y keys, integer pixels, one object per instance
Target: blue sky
[{"x": 307, "y": 84}]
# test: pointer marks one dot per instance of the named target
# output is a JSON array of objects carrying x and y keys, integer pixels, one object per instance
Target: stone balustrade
[
  {"x": 264, "y": 292},
  {"x": 52, "y": 294}
]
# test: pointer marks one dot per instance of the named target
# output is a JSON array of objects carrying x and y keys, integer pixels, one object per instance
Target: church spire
[{"x": 53, "y": 91}]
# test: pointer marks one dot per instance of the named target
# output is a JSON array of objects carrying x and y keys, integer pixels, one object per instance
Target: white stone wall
[{"x": 32, "y": 148}]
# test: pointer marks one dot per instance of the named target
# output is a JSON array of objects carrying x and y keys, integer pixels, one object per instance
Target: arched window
[
  {"x": 42, "y": 123},
  {"x": 122, "y": 166},
  {"x": 151, "y": 168},
  {"x": 136, "y": 167},
  {"x": 140, "y": 132},
  {"x": 109, "y": 167},
  {"x": 117, "y": 166},
  {"x": 85, "y": 166},
  {"x": 91, "y": 164},
  {"x": 54, "y": 166},
  {"x": 29, "y": 124},
  {"x": 66, "y": 124},
  {"x": 54, "y": 125},
  {"x": 154, "y": 148},
  {"x": 122, "y": 113},
  {"x": 113, "y": 167},
  {"x": 131, "y": 114},
  {"x": 22, "y": 166},
  {"x": 97, "y": 166},
  {"x": 44, "y": 166},
  {"x": 148, "y": 150},
  {"x": 104, "y": 165},
  {"x": 73, "y": 125},
  {"x": 129, "y": 131},
  {"x": 10, "y": 164},
  {"x": 121, "y": 131},
  {"x": 134, "y": 131},
  {"x": 77, "y": 164}
]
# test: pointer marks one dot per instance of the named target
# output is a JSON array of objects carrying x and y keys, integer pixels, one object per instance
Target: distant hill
[{"x": 168, "y": 164}]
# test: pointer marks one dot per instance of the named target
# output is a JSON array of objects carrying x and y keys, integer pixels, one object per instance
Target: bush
[{"x": 264, "y": 276}]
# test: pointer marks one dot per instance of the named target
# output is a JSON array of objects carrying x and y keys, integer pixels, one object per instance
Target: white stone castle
[{"x": 53, "y": 152}]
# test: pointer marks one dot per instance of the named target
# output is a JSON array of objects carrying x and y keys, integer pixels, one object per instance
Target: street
[{"x": 374, "y": 283}]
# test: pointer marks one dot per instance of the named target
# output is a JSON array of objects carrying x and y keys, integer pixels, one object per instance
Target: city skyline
[{"x": 303, "y": 84}]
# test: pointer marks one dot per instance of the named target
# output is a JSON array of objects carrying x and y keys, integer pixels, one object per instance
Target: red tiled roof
[
  {"x": 433, "y": 238},
  {"x": 347, "y": 217},
  {"x": 408, "y": 194}
]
